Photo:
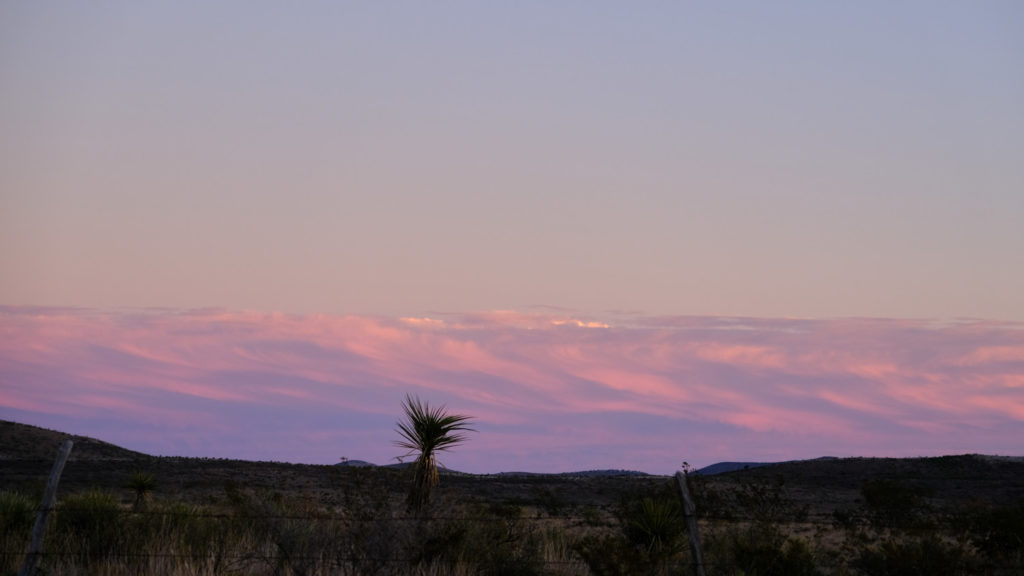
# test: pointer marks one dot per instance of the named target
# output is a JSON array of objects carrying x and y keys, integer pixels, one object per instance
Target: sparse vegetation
[
  {"x": 227, "y": 517},
  {"x": 893, "y": 505},
  {"x": 757, "y": 536}
]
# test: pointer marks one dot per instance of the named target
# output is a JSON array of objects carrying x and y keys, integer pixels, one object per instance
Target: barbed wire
[
  {"x": 345, "y": 514},
  {"x": 599, "y": 518},
  {"x": 333, "y": 559},
  {"x": 341, "y": 515}
]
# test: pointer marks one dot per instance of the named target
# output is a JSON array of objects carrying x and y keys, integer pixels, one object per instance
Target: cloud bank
[{"x": 550, "y": 391}]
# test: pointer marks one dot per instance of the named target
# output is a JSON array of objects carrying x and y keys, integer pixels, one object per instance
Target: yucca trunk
[{"x": 425, "y": 478}]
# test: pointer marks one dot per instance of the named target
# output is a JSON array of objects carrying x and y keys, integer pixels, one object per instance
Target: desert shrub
[
  {"x": 436, "y": 541},
  {"x": 766, "y": 502},
  {"x": 998, "y": 532},
  {"x": 764, "y": 550},
  {"x": 760, "y": 547},
  {"x": 591, "y": 516},
  {"x": 234, "y": 493},
  {"x": 297, "y": 546},
  {"x": 914, "y": 556},
  {"x": 650, "y": 539},
  {"x": 369, "y": 535},
  {"x": 506, "y": 545},
  {"x": 287, "y": 535},
  {"x": 890, "y": 504},
  {"x": 90, "y": 526},
  {"x": 611, "y": 555},
  {"x": 846, "y": 519},
  {"x": 549, "y": 501},
  {"x": 487, "y": 540},
  {"x": 195, "y": 534}
]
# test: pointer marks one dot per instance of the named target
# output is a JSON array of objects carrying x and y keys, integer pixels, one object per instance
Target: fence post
[
  {"x": 690, "y": 512},
  {"x": 49, "y": 501}
]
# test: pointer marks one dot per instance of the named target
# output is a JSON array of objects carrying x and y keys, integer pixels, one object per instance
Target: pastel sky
[
  {"x": 801, "y": 222},
  {"x": 550, "y": 391}
]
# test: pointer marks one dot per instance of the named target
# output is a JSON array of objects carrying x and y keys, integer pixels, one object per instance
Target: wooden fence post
[
  {"x": 690, "y": 512},
  {"x": 49, "y": 501}
]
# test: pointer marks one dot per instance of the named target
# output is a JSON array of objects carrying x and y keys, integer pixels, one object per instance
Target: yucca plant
[
  {"x": 656, "y": 525},
  {"x": 425, "y": 432},
  {"x": 142, "y": 484}
]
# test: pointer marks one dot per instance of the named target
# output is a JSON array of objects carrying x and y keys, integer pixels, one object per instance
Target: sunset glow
[{"x": 549, "y": 394}]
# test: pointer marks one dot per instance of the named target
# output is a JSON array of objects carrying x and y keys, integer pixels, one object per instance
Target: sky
[{"x": 786, "y": 229}]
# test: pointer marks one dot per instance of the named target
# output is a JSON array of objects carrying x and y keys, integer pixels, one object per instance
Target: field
[{"x": 121, "y": 512}]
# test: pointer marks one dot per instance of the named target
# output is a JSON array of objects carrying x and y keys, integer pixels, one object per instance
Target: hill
[
  {"x": 948, "y": 480},
  {"x": 723, "y": 467},
  {"x": 26, "y": 442},
  {"x": 824, "y": 484}
]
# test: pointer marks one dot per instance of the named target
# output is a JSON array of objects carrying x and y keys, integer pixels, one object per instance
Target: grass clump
[
  {"x": 90, "y": 525},
  {"x": 17, "y": 516}
]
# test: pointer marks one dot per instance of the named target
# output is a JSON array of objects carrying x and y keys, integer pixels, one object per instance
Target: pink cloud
[
  {"x": 741, "y": 355},
  {"x": 994, "y": 354},
  {"x": 856, "y": 403},
  {"x": 550, "y": 390}
]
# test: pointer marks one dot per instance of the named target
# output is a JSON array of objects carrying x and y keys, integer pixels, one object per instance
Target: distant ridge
[
  {"x": 356, "y": 463},
  {"x": 443, "y": 470},
  {"x": 724, "y": 467},
  {"x": 581, "y": 473},
  {"x": 25, "y": 443}
]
